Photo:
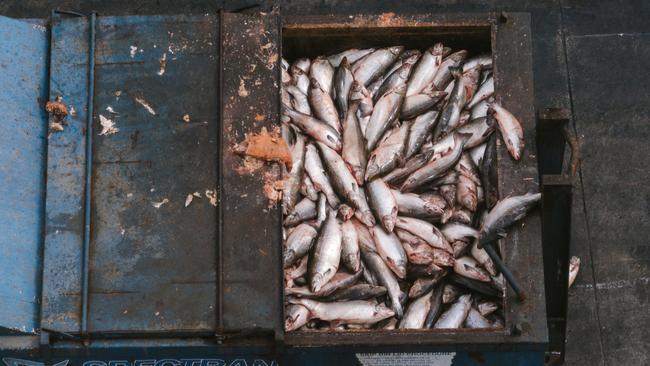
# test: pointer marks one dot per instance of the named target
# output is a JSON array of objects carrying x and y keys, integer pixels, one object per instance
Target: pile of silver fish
[{"x": 391, "y": 187}]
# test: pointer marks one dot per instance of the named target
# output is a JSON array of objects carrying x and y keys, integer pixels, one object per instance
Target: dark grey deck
[{"x": 591, "y": 57}]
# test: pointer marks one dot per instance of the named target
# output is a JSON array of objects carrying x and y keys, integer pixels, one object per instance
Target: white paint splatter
[
  {"x": 613, "y": 285},
  {"x": 132, "y": 51},
  {"x": 163, "y": 64},
  {"x": 212, "y": 196},
  {"x": 158, "y": 204},
  {"x": 188, "y": 199},
  {"x": 110, "y": 110},
  {"x": 145, "y": 104},
  {"x": 242, "y": 88},
  {"x": 108, "y": 126}
]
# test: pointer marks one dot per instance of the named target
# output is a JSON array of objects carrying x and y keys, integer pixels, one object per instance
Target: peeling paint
[{"x": 145, "y": 104}]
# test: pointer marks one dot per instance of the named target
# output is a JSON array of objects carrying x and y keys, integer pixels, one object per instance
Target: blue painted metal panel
[
  {"x": 23, "y": 76},
  {"x": 62, "y": 265}
]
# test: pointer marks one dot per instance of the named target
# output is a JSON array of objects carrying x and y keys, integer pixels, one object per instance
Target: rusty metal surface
[{"x": 250, "y": 230}]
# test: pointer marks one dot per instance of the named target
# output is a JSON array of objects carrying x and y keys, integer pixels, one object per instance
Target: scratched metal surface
[
  {"x": 153, "y": 269},
  {"x": 23, "y": 73},
  {"x": 62, "y": 251}
]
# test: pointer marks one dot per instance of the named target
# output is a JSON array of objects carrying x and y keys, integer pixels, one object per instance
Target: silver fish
[
  {"x": 480, "y": 109},
  {"x": 483, "y": 259},
  {"x": 384, "y": 277},
  {"x": 506, "y": 212},
  {"x": 340, "y": 280},
  {"x": 487, "y": 307},
  {"x": 326, "y": 254},
  {"x": 304, "y": 210},
  {"x": 390, "y": 250},
  {"x": 477, "y": 153},
  {"x": 295, "y": 271},
  {"x": 436, "y": 306},
  {"x": 417, "y": 104},
  {"x": 450, "y": 115},
  {"x": 443, "y": 76},
  {"x": 361, "y": 291},
  {"x": 299, "y": 100},
  {"x": 475, "y": 320},
  {"x": 375, "y": 63},
  {"x": 484, "y": 91},
  {"x": 489, "y": 174},
  {"x": 323, "y": 72},
  {"x": 461, "y": 215},
  {"x": 420, "y": 130},
  {"x": 426, "y": 69},
  {"x": 350, "y": 255},
  {"x": 300, "y": 79},
  {"x": 321, "y": 211},
  {"x": 295, "y": 317},
  {"x": 341, "y": 177},
  {"x": 468, "y": 267},
  {"x": 410, "y": 204},
  {"x": 416, "y": 313},
  {"x": 448, "y": 192},
  {"x": 424, "y": 270},
  {"x": 417, "y": 250},
  {"x": 303, "y": 64},
  {"x": 298, "y": 244},
  {"x": 346, "y": 312},
  {"x": 425, "y": 231},
  {"x": 354, "y": 149},
  {"x": 345, "y": 212},
  {"x": 307, "y": 188},
  {"x": 424, "y": 285},
  {"x": 364, "y": 214},
  {"x": 480, "y": 130},
  {"x": 398, "y": 77},
  {"x": 574, "y": 267},
  {"x": 352, "y": 55},
  {"x": 485, "y": 60},
  {"x": 411, "y": 165},
  {"x": 316, "y": 171},
  {"x": 471, "y": 79},
  {"x": 410, "y": 56},
  {"x": 466, "y": 193},
  {"x": 450, "y": 293},
  {"x": 510, "y": 128},
  {"x": 292, "y": 184},
  {"x": 454, "y": 317},
  {"x": 384, "y": 113},
  {"x": 342, "y": 84},
  {"x": 315, "y": 128},
  {"x": 389, "y": 153},
  {"x": 435, "y": 199},
  {"x": 436, "y": 166},
  {"x": 323, "y": 105},
  {"x": 455, "y": 231},
  {"x": 383, "y": 203},
  {"x": 358, "y": 93}
]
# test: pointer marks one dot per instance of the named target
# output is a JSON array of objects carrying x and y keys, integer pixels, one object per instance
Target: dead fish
[
  {"x": 292, "y": 184},
  {"x": 364, "y": 214},
  {"x": 295, "y": 271},
  {"x": 424, "y": 270},
  {"x": 315, "y": 128},
  {"x": 417, "y": 104},
  {"x": 350, "y": 255},
  {"x": 424, "y": 230},
  {"x": 468, "y": 267},
  {"x": 375, "y": 63},
  {"x": 454, "y": 317},
  {"x": 398, "y": 77},
  {"x": 323, "y": 105},
  {"x": 323, "y": 72},
  {"x": 510, "y": 128},
  {"x": 480, "y": 109},
  {"x": 475, "y": 320},
  {"x": 484, "y": 91},
  {"x": 448, "y": 192},
  {"x": 466, "y": 193},
  {"x": 340, "y": 280},
  {"x": 341, "y": 177},
  {"x": 451, "y": 177},
  {"x": 316, "y": 171},
  {"x": 346, "y": 312},
  {"x": 480, "y": 130},
  {"x": 307, "y": 188},
  {"x": 300, "y": 79},
  {"x": 378, "y": 87},
  {"x": 342, "y": 84},
  {"x": 351, "y": 55},
  {"x": 483, "y": 259},
  {"x": 484, "y": 60},
  {"x": 436, "y": 306},
  {"x": 384, "y": 114},
  {"x": 359, "y": 94},
  {"x": 506, "y": 212},
  {"x": 483, "y": 288},
  {"x": 424, "y": 285},
  {"x": 411, "y": 165},
  {"x": 466, "y": 167},
  {"x": 450, "y": 115},
  {"x": 388, "y": 324},
  {"x": 426, "y": 69},
  {"x": 420, "y": 129},
  {"x": 303, "y": 64},
  {"x": 389, "y": 153},
  {"x": 450, "y": 293},
  {"x": 383, "y": 203},
  {"x": 436, "y": 166},
  {"x": 443, "y": 76},
  {"x": 487, "y": 307},
  {"x": 354, "y": 148},
  {"x": 435, "y": 199},
  {"x": 384, "y": 277},
  {"x": 299, "y": 100},
  {"x": 345, "y": 212},
  {"x": 390, "y": 250},
  {"x": 574, "y": 267},
  {"x": 298, "y": 244},
  {"x": 471, "y": 81},
  {"x": 460, "y": 247},
  {"x": 304, "y": 210},
  {"x": 489, "y": 174},
  {"x": 321, "y": 211},
  {"x": 416, "y": 313},
  {"x": 413, "y": 205},
  {"x": 419, "y": 252},
  {"x": 460, "y": 215},
  {"x": 326, "y": 254},
  {"x": 295, "y": 317},
  {"x": 361, "y": 291},
  {"x": 455, "y": 231},
  {"x": 477, "y": 153}
]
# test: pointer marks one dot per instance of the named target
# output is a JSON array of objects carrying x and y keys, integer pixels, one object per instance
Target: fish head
[
  {"x": 437, "y": 49},
  {"x": 396, "y": 50},
  {"x": 345, "y": 63},
  {"x": 382, "y": 312}
]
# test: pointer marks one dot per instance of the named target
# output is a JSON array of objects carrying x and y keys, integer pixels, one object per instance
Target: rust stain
[
  {"x": 386, "y": 18},
  {"x": 259, "y": 117},
  {"x": 265, "y": 146},
  {"x": 58, "y": 111},
  {"x": 273, "y": 188}
]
